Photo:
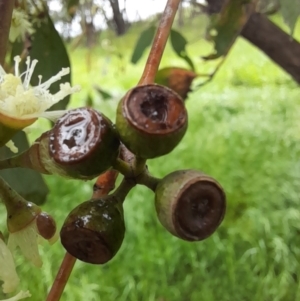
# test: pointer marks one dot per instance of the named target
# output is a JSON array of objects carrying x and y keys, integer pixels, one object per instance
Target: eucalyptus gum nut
[
  {"x": 84, "y": 143},
  {"x": 151, "y": 120},
  {"x": 94, "y": 231},
  {"x": 190, "y": 204}
]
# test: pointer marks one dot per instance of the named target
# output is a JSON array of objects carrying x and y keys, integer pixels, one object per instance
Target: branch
[
  {"x": 274, "y": 42},
  {"x": 105, "y": 183},
  {"x": 269, "y": 38},
  {"x": 6, "y": 9}
]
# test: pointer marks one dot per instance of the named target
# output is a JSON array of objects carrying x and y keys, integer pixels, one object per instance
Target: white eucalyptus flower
[
  {"x": 9, "y": 275},
  {"x": 8, "y": 272},
  {"x": 20, "y": 101},
  {"x": 21, "y": 104},
  {"x": 20, "y": 25},
  {"x": 28, "y": 238}
]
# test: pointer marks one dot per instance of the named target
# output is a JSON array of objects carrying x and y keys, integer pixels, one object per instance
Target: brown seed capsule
[
  {"x": 94, "y": 231},
  {"x": 82, "y": 144},
  {"x": 151, "y": 120},
  {"x": 190, "y": 204}
]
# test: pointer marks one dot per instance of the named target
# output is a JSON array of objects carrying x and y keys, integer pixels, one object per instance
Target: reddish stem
[
  {"x": 61, "y": 278},
  {"x": 6, "y": 9},
  {"x": 105, "y": 183},
  {"x": 159, "y": 43}
]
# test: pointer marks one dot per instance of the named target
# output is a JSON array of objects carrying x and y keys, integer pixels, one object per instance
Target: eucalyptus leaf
[
  {"x": 28, "y": 183},
  {"x": 48, "y": 48},
  {"x": 225, "y": 26},
  {"x": 290, "y": 11},
  {"x": 89, "y": 102},
  {"x": 144, "y": 41},
  {"x": 179, "y": 43},
  {"x": 104, "y": 94}
]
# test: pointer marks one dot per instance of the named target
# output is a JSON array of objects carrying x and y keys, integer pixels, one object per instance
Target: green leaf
[
  {"x": 89, "y": 102},
  {"x": 48, "y": 48},
  {"x": 104, "y": 94},
  {"x": 144, "y": 41},
  {"x": 290, "y": 11},
  {"x": 268, "y": 7},
  {"x": 225, "y": 27},
  {"x": 71, "y": 3},
  {"x": 28, "y": 183},
  {"x": 179, "y": 43}
]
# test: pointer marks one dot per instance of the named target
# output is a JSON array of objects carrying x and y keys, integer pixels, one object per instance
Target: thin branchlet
[
  {"x": 159, "y": 42},
  {"x": 6, "y": 10}
]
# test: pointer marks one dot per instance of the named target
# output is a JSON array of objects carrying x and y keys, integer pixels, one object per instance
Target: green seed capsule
[
  {"x": 151, "y": 120},
  {"x": 94, "y": 231},
  {"x": 190, "y": 204}
]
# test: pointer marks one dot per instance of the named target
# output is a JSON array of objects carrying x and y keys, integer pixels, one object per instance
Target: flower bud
[
  {"x": 46, "y": 225},
  {"x": 190, "y": 204},
  {"x": 177, "y": 79},
  {"x": 94, "y": 231},
  {"x": 151, "y": 120},
  {"x": 20, "y": 214}
]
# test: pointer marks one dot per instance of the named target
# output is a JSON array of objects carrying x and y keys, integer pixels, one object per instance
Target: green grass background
[{"x": 244, "y": 131}]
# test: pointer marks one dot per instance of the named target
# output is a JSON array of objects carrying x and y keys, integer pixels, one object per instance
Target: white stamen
[
  {"x": 10, "y": 144},
  {"x": 55, "y": 78},
  {"x": 51, "y": 115},
  {"x": 65, "y": 89},
  {"x": 2, "y": 71},
  {"x": 17, "y": 60},
  {"x": 29, "y": 72}
]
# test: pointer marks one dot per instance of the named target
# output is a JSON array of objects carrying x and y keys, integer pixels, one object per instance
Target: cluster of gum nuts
[{"x": 151, "y": 120}]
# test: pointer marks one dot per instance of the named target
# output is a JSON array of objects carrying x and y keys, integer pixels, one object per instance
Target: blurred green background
[{"x": 244, "y": 131}]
